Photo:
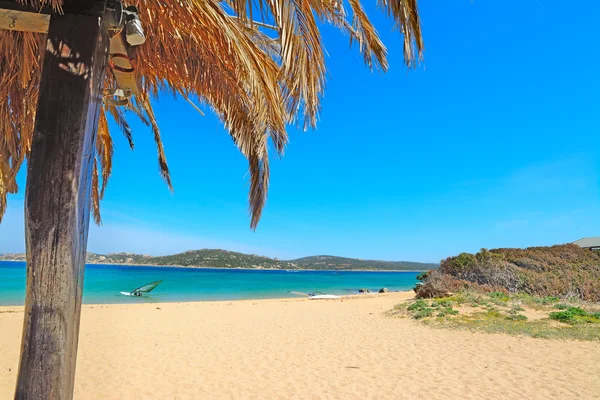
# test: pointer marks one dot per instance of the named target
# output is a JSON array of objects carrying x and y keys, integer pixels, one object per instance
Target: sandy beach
[{"x": 302, "y": 349}]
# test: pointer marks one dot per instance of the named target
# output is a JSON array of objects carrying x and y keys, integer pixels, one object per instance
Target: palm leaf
[{"x": 255, "y": 82}]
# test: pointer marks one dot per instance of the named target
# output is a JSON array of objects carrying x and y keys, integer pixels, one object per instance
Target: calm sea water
[{"x": 103, "y": 283}]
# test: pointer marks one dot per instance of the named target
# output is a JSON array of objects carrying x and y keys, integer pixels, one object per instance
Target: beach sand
[{"x": 303, "y": 349}]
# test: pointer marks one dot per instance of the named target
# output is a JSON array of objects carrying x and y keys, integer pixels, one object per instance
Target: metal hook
[{"x": 13, "y": 24}]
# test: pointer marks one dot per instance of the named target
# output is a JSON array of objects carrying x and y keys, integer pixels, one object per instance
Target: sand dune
[{"x": 301, "y": 349}]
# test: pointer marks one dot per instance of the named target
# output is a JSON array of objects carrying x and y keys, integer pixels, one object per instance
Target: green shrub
[
  {"x": 423, "y": 276},
  {"x": 476, "y": 301},
  {"x": 418, "y": 305},
  {"x": 498, "y": 296},
  {"x": 517, "y": 317},
  {"x": 562, "y": 316},
  {"x": 577, "y": 311},
  {"x": 493, "y": 313},
  {"x": 500, "y": 303},
  {"x": 447, "y": 311},
  {"x": 549, "y": 300},
  {"x": 575, "y": 315},
  {"x": 442, "y": 302},
  {"x": 420, "y": 309},
  {"x": 561, "y": 306},
  {"x": 423, "y": 312}
]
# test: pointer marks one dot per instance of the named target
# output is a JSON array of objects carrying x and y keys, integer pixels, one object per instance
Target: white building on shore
[{"x": 592, "y": 243}]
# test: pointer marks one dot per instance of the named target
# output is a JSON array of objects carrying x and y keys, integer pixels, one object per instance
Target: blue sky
[{"x": 491, "y": 142}]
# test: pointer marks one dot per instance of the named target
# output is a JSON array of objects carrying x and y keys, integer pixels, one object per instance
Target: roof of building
[{"x": 588, "y": 242}]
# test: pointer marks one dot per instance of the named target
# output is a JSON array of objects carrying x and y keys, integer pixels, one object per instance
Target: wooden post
[{"x": 57, "y": 203}]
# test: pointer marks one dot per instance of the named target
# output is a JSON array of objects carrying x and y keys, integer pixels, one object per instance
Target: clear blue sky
[{"x": 492, "y": 142}]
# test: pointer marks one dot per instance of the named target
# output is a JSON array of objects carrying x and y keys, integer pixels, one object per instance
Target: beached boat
[
  {"x": 142, "y": 289},
  {"x": 319, "y": 296}
]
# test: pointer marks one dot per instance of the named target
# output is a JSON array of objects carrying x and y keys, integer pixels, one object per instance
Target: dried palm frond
[{"x": 255, "y": 80}]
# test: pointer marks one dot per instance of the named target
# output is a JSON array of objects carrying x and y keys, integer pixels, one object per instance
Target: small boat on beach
[
  {"x": 315, "y": 295},
  {"x": 142, "y": 289},
  {"x": 319, "y": 296}
]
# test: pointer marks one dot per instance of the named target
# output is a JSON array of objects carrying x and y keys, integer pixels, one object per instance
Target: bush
[
  {"x": 562, "y": 316},
  {"x": 493, "y": 313},
  {"x": 498, "y": 295},
  {"x": 423, "y": 276},
  {"x": 435, "y": 285},
  {"x": 442, "y": 302},
  {"x": 476, "y": 301},
  {"x": 421, "y": 309},
  {"x": 551, "y": 272},
  {"x": 549, "y": 300},
  {"x": 516, "y": 317},
  {"x": 574, "y": 315},
  {"x": 447, "y": 311},
  {"x": 422, "y": 313},
  {"x": 561, "y": 306},
  {"x": 577, "y": 311},
  {"x": 418, "y": 305}
]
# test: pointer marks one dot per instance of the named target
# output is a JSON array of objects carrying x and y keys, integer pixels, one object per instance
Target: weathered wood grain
[
  {"x": 57, "y": 204},
  {"x": 15, "y": 20}
]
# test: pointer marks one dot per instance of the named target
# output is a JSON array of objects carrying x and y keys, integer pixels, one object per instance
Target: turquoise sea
[{"x": 103, "y": 283}]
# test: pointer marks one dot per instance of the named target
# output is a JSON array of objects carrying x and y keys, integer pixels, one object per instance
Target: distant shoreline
[
  {"x": 248, "y": 269},
  {"x": 225, "y": 259},
  {"x": 406, "y": 295}
]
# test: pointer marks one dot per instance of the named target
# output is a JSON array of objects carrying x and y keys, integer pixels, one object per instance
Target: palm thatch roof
[{"x": 257, "y": 81}]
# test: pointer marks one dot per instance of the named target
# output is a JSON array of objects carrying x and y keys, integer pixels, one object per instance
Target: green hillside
[
  {"x": 218, "y": 259},
  {"x": 332, "y": 262},
  {"x": 208, "y": 258}
]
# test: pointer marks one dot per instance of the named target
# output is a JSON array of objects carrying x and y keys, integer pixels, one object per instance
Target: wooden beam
[
  {"x": 57, "y": 204},
  {"x": 14, "y": 20},
  {"x": 14, "y": 5}
]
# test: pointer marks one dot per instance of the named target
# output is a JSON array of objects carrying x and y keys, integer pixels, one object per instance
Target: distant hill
[
  {"x": 332, "y": 262},
  {"x": 208, "y": 258}
]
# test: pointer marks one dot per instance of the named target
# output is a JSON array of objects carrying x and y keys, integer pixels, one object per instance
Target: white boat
[
  {"x": 142, "y": 289},
  {"x": 319, "y": 296}
]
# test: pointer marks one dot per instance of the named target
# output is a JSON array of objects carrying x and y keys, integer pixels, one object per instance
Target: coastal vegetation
[
  {"x": 216, "y": 258},
  {"x": 546, "y": 317},
  {"x": 546, "y": 292},
  {"x": 562, "y": 271}
]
